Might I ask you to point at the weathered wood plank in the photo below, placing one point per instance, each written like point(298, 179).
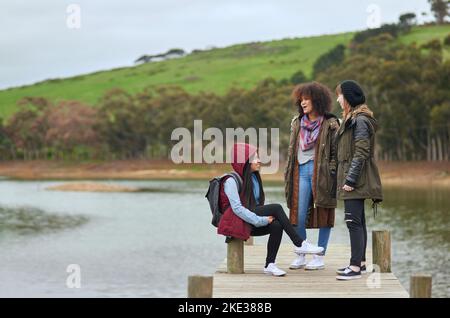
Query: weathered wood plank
point(300, 283)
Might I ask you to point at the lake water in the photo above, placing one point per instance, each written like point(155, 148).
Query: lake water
point(146, 244)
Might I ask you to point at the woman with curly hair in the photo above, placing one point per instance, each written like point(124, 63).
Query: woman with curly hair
point(310, 175)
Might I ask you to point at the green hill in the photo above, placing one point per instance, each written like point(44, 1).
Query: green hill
point(215, 70)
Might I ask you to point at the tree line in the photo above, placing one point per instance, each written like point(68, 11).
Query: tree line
point(407, 88)
point(406, 85)
point(126, 126)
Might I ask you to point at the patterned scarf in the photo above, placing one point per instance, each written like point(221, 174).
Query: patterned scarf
point(309, 132)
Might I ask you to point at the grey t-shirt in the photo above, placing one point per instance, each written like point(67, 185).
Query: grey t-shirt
point(305, 156)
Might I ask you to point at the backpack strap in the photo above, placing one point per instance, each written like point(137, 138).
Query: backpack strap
point(236, 178)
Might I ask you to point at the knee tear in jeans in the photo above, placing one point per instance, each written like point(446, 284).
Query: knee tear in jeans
point(348, 218)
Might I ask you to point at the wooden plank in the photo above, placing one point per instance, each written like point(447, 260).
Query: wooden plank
point(300, 283)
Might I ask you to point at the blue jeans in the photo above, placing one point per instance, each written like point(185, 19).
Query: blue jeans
point(305, 176)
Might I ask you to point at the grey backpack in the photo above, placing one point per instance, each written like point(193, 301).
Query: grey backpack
point(213, 195)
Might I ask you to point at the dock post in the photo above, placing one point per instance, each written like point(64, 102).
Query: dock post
point(381, 250)
point(235, 257)
point(200, 287)
point(250, 241)
point(420, 286)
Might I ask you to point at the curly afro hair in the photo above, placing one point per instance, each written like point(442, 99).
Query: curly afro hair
point(319, 95)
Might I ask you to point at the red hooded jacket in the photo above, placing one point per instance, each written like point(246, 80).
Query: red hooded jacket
point(230, 224)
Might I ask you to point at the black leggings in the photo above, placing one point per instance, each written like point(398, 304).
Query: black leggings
point(355, 217)
point(275, 229)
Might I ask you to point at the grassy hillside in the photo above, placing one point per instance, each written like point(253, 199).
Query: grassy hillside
point(216, 70)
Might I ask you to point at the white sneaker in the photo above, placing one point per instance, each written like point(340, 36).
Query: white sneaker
point(316, 263)
point(308, 248)
point(299, 262)
point(272, 269)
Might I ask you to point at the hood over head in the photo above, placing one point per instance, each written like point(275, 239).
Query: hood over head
point(241, 153)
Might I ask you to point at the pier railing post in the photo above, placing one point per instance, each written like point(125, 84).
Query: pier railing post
point(200, 286)
point(420, 286)
point(381, 250)
point(235, 257)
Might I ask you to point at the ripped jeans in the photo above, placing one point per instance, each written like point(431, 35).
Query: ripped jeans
point(355, 218)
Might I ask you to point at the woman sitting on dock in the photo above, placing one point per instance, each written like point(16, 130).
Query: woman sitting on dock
point(246, 214)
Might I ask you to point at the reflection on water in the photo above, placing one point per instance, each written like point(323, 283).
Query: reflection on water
point(28, 220)
point(419, 221)
point(146, 244)
point(142, 244)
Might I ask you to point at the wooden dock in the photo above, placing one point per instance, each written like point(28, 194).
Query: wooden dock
point(300, 283)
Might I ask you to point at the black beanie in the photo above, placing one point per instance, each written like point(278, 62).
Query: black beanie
point(353, 93)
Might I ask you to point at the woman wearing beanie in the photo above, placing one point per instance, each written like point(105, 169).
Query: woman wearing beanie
point(310, 175)
point(357, 174)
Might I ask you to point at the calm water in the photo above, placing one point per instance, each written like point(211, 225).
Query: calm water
point(146, 244)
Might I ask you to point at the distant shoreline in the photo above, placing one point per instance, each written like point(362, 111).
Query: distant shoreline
point(405, 174)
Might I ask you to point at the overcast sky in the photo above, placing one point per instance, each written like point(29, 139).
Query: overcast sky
point(36, 42)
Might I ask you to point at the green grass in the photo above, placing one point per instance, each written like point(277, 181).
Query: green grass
point(217, 70)
point(426, 33)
